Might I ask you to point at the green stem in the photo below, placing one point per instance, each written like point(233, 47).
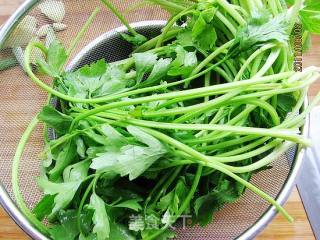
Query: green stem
point(185, 93)
point(213, 55)
point(218, 116)
point(230, 9)
point(273, 7)
point(294, 120)
point(168, 5)
point(286, 134)
point(266, 106)
point(220, 101)
point(184, 204)
point(290, 121)
point(255, 190)
point(219, 167)
point(256, 64)
point(175, 163)
point(244, 148)
point(294, 12)
point(83, 30)
point(152, 42)
point(258, 87)
point(227, 23)
point(247, 155)
point(207, 106)
point(167, 185)
point(171, 23)
point(157, 186)
point(251, 58)
point(68, 98)
point(83, 199)
point(275, 154)
point(270, 61)
point(229, 143)
point(122, 19)
point(15, 178)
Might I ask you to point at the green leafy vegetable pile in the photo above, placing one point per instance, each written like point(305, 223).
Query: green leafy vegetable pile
point(178, 128)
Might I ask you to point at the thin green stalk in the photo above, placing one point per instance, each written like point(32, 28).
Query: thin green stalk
point(226, 22)
point(266, 106)
point(212, 56)
point(275, 154)
point(270, 61)
point(175, 163)
point(291, 121)
point(172, 21)
point(68, 98)
point(192, 110)
point(152, 42)
point(286, 134)
point(241, 99)
point(257, 87)
point(122, 19)
point(168, 5)
point(232, 67)
point(247, 155)
point(279, 6)
point(189, 92)
point(83, 30)
point(83, 199)
point(273, 7)
point(296, 109)
point(293, 14)
point(251, 58)
point(217, 166)
point(184, 204)
point(207, 78)
point(226, 68)
point(270, 93)
point(256, 64)
point(156, 187)
point(255, 190)
point(15, 178)
point(244, 148)
point(233, 13)
point(164, 188)
point(220, 114)
point(214, 135)
point(241, 10)
point(223, 74)
point(207, 106)
point(294, 120)
point(229, 143)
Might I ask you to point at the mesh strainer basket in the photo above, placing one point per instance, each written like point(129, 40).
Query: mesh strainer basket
point(20, 100)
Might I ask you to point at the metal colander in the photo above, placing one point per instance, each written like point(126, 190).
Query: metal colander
point(20, 100)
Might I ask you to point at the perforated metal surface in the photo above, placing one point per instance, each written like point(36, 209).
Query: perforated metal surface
point(20, 100)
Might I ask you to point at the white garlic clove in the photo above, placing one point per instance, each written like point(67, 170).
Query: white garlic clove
point(50, 37)
point(23, 32)
point(43, 30)
point(53, 9)
point(59, 26)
